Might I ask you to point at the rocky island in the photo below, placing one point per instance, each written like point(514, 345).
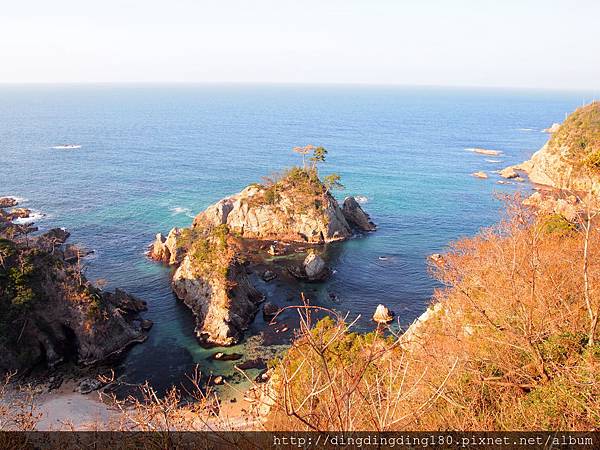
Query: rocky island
point(295, 208)
point(49, 312)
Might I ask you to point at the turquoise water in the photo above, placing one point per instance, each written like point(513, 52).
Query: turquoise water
point(153, 156)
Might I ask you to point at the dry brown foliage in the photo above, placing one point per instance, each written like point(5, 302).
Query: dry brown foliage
point(512, 346)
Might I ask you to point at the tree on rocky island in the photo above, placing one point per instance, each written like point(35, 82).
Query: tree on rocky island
point(333, 181)
point(319, 155)
point(304, 151)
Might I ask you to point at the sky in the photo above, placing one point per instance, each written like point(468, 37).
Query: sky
point(502, 43)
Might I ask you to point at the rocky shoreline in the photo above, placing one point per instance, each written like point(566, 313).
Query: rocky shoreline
point(56, 315)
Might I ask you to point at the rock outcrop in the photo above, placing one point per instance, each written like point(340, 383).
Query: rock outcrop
point(382, 315)
point(8, 202)
point(51, 313)
point(223, 303)
point(571, 158)
point(289, 218)
point(209, 277)
point(356, 216)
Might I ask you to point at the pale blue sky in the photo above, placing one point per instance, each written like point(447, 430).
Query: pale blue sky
point(528, 43)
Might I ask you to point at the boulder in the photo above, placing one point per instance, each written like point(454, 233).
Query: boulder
point(382, 315)
point(168, 250)
point(436, 258)
point(8, 202)
point(315, 268)
point(268, 275)
point(269, 311)
point(480, 175)
point(484, 151)
point(509, 173)
point(146, 324)
point(355, 215)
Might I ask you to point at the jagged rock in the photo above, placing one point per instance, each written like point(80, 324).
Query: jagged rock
point(167, 250)
point(480, 175)
point(508, 173)
point(269, 311)
point(73, 252)
point(436, 258)
point(8, 202)
point(268, 275)
point(222, 312)
point(356, 216)
point(126, 301)
point(383, 315)
point(52, 239)
point(20, 213)
point(250, 216)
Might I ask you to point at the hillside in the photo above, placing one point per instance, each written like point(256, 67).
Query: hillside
point(571, 158)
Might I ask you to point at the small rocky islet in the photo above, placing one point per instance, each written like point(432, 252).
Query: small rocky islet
point(233, 237)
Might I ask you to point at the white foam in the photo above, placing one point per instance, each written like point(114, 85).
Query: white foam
point(176, 210)
point(362, 199)
point(33, 217)
point(66, 147)
point(526, 129)
point(493, 160)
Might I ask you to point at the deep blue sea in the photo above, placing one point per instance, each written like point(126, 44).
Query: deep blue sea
point(153, 156)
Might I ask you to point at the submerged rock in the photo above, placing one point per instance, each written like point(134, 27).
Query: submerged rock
point(480, 175)
point(268, 275)
point(269, 311)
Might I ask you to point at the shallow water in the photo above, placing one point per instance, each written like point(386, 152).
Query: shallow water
point(153, 156)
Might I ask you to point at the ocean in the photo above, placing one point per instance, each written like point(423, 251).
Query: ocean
point(153, 156)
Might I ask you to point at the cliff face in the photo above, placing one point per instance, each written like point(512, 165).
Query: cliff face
point(290, 217)
point(223, 306)
point(571, 158)
point(210, 277)
point(50, 313)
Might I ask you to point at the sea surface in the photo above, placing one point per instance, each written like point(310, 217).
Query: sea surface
point(151, 157)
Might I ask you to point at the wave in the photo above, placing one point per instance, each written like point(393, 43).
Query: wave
point(526, 129)
point(362, 199)
point(493, 160)
point(176, 210)
point(66, 147)
point(33, 217)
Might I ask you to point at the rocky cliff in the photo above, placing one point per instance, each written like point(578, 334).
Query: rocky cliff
point(295, 208)
point(210, 276)
point(571, 158)
point(49, 312)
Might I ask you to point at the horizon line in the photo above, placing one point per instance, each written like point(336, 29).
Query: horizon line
point(295, 83)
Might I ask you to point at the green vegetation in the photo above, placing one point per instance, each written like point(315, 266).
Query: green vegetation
point(211, 251)
point(580, 135)
point(558, 224)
